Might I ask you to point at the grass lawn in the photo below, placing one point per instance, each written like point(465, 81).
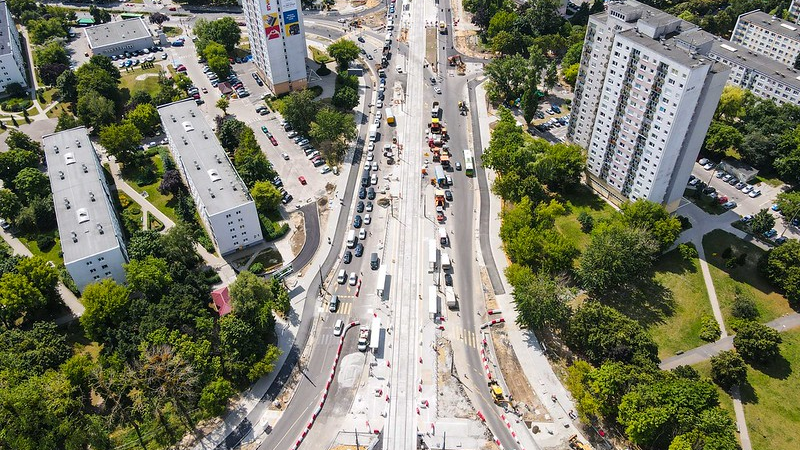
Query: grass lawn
point(682, 282)
point(269, 258)
point(771, 397)
point(172, 31)
point(319, 56)
point(164, 203)
point(150, 84)
point(582, 200)
point(770, 303)
point(772, 181)
point(51, 255)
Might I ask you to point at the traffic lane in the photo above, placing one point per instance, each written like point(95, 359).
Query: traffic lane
point(312, 230)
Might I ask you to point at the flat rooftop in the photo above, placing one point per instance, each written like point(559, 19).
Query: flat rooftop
point(6, 22)
point(117, 32)
point(772, 23)
point(83, 211)
point(762, 64)
point(202, 157)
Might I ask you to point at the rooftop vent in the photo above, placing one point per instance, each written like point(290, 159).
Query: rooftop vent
point(211, 193)
point(61, 174)
point(214, 175)
point(205, 136)
point(217, 158)
point(196, 165)
point(172, 117)
point(83, 215)
point(69, 158)
point(66, 203)
point(55, 149)
point(100, 228)
point(78, 143)
point(187, 126)
point(74, 236)
point(85, 169)
point(91, 196)
point(191, 111)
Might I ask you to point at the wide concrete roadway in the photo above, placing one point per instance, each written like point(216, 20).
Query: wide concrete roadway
point(461, 225)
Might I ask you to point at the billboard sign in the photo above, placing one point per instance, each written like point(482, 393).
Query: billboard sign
point(272, 28)
point(291, 21)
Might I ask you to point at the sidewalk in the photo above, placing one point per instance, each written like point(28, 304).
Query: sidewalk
point(527, 347)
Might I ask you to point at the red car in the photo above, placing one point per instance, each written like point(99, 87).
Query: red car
point(172, 8)
point(273, 140)
point(722, 199)
point(181, 68)
point(195, 96)
point(302, 180)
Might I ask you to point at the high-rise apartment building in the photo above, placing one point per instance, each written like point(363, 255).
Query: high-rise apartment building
point(91, 237)
point(642, 103)
point(278, 42)
point(223, 201)
point(794, 10)
point(12, 62)
point(768, 35)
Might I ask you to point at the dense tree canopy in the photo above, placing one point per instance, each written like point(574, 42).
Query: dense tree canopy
point(224, 31)
point(344, 51)
point(300, 109)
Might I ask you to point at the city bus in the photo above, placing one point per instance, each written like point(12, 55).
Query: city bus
point(389, 116)
point(124, 16)
point(469, 163)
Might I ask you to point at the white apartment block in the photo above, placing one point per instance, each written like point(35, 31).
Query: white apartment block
point(642, 104)
point(278, 42)
point(794, 10)
point(91, 237)
point(768, 35)
point(12, 62)
point(223, 201)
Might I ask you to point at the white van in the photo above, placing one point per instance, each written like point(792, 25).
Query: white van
point(342, 277)
point(351, 238)
point(445, 261)
point(442, 236)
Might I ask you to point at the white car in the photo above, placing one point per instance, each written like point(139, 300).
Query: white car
point(374, 166)
point(353, 278)
point(399, 69)
point(367, 219)
point(437, 90)
point(754, 193)
point(285, 156)
point(378, 115)
point(370, 156)
point(369, 206)
point(703, 161)
point(371, 146)
point(373, 180)
point(362, 234)
point(747, 189)
point(379, 104)
point(324, 169)
point(338, 327)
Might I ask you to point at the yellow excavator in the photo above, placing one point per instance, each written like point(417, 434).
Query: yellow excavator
point(575, 444)
point(497, 392)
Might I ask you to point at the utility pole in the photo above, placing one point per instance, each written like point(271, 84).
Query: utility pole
point(358, 447)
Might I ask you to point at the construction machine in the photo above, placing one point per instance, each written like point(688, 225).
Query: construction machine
point(497, 392)
point(575, 444)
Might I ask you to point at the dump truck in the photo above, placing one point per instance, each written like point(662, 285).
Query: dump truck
point(442, 27)
point(363, 339)
point(575, 444)
point(438, 196)
point(450, 297)
point(497, 392)
point(456, 61)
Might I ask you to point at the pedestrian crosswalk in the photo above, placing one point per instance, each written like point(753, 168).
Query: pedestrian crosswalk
point(467, 337)
point(345, 308)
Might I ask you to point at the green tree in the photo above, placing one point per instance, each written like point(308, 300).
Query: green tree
point(573, 55)
point(177, 246)
point(95, 111)
point(42, 275)
point(9, 204)
point(762, 221)
point(67, 121)
point(508, 77)
point(506, 152)
point(501, 21)
point(67, 85)
point(757, 342)
point(223, 104)
point(13, 161)
point(616, 257)
point(789, 203)
point(31, 183)
point(224, 31)
point(560, 166)
point(217, 59)
point(165, 374)
point(144, 243)
point(99, 15)
point(149, 276)
point(281, 301)
point(145, 118)
point(345, 98)
point(250, 161)
point(29, 352)
point(540, 302)
point(266, 196)
point(728, 369)
point(654, 218)
point(602, 333)
point(783, 270)
point(121, 140)
point(731, 104)
point(252, 300)
point(214, 397)
point(18, 297)
point(551, 76)
point(266, 364)
point(18, 140)
point(43, 29)
point(333, 130)
point(106, 305)
point(51, 53)
point(344, 51)
point(722, 137)
point(300, 109)
point(570, 74)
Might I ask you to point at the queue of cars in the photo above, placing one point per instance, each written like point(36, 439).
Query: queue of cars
point(732, 180)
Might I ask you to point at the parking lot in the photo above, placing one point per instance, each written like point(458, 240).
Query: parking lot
point(745, 204)
point(550, 122)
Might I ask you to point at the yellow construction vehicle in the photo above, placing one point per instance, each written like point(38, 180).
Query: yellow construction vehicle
point(575, 444)
point(497, 392)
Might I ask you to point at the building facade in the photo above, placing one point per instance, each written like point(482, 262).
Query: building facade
point(91, 237)
point(116, 38)
point(278, 42)
point(12, 62)
point(794, 10)
point(223, 201)
point(768, 35)
point(642, 104)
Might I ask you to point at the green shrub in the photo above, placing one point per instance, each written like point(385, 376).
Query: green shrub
point(727, 253)
point(16, 104)
point(586, 221)
point(709, 330)
point(45, 242)
point(205, 241)
point(257, 268)
point(744, 306)
point(124, 200)
point(685, 224)
point(687, 251)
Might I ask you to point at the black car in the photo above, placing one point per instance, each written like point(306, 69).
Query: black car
point(277, 181)
point(371, 193)
point(357, 221)
point(362, 193)
point(360, 207)
point(287, 198)
point(380, 96)
point(361, 39)
point(448, 279)
point(348, 256)
point(448, 194)
point(359, 249)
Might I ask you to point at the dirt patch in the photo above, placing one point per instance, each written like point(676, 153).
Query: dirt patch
point(488, 293)
point(431, 44)
point(453, 401)
point(526, 401)
point(468, 43)
point(297, 223)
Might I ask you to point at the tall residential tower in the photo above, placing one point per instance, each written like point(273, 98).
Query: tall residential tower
point(643, 103)
point(278, 42)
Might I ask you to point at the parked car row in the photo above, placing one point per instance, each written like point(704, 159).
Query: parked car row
point(748, 189)
point(278, 183)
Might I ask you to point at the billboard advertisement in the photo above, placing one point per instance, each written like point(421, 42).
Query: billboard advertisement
point(272, 28)
point(291, 21)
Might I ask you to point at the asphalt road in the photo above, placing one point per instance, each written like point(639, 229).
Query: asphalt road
point(311, 219)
